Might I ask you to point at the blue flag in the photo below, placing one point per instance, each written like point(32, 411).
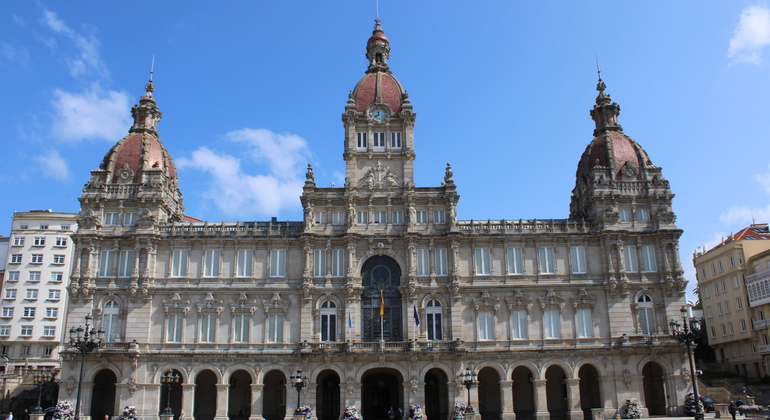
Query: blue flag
point(350, 320)
point(416, 317)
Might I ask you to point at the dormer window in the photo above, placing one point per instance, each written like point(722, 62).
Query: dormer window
point(362, 140)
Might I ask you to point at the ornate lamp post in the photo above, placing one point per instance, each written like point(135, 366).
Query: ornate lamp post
point(469, 378)
point(170, 378)
point(688, 335)
point(298, 382)
point(85, 340)
point(41, 379)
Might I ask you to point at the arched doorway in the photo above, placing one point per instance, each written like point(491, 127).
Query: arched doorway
point(381, 390)
point(654, 389)
point(175, 402)
point(523, 394)
point(103, 395)
point(556, 393)
point(490, 406)
point(381, 276)
point(590, 392)
point(436, 395)
point(274, 396)
point(239, 406)
point(205, 396)
point(328, 395)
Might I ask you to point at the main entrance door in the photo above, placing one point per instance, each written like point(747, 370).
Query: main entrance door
point(381, 391)
point(381, 276)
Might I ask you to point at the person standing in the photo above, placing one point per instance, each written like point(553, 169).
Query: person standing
point(731, 409)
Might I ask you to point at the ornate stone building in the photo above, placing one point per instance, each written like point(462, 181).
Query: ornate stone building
point(556, 317)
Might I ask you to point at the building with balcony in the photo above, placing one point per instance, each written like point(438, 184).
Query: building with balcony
point(730, 320)
point(758, 293)
point(382, 295)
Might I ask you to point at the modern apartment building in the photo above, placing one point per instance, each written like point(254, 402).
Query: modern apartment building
point(758, 291)
point(722, 279)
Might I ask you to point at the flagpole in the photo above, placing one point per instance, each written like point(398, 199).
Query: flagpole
point(382, 318)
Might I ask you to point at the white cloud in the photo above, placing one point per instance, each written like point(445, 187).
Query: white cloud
point(52, 165)
point(751, 35)
point(764, 180)
point(14, 56)
point(746, 215)
point(19, 21)
point(87, 62)
point(243, 196)
point(92, 114)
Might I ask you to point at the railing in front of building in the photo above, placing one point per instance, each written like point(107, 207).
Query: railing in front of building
point(524, 226)
point(760, 323)
point(233, 229)
point(122, 191)
point(764, 349)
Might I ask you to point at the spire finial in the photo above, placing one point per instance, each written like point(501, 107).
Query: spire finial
point(600, 86)
point(149, 87)
point(377, 11)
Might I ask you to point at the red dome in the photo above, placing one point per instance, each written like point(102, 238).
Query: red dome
point(375, 85)
point(378, 36)
point(137, 152)
point(615, 149)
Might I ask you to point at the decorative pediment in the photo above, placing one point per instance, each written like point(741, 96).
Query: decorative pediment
point(550, 299)
point(629, 171)
point(243, 305)
point(583, 299)
point(210, 305)
point(176, 304)
point(125, 174)
point(379, 176)
point(276, 304)
point(486, 302)
point(518, 301)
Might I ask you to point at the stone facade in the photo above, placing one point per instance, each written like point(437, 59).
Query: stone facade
point(381, 296)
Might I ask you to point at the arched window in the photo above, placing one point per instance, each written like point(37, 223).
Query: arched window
point(111, 320)
point(433, 313)
point(328, 321)
point(646, 315)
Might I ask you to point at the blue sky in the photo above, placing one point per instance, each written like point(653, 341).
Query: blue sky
point(253, 91)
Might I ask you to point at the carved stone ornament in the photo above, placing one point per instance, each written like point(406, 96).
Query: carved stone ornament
point(125, 174)
point(550, 299)
point(583, 299)
point(519, 301)
point(665, 215)
point(88, 219)
point(210, 305)
point(627, 378)
point(686, 375)
point(448, 174)
point(629, 171)
point(275, 304)
point(610, 215)
point(379, 176)
point(486, 302)
point(176, 303)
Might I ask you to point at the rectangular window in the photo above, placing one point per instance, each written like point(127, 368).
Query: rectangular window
point(319, 217)
point(739, 303)
point(713, 332)
point(39, 241)
point(208, 328)
point(54, 294)
point(713, 269)
point(435, 332)
point(110, 219)
point(275, 328)
point(37, 258)
point(43, 227)
point(58, 259)
point(421, 217)
point(720, 266)
point(551, 325)
point(51, 312)
point(34, 276)
point(26, 330)
point(727, 307)
point(5, 331)
point(483, 261)
point(13, 276)
point(129, 219)
point(25, 349)
point(724, 329)
point(709, 312)
point(362, 218)
point(719, 309)
point(338, 263)
point(515, 261)
point(328, 327)
point(732, 261)
point(378, 140)
point(395, 140)
point(743, 325)
point(423, 262)
point(174, 330)
point(179, 264)
point(439, 217)
point(632, 265)
point(49, 331)
point(519, 325)
point(398, 217)
point(106, 259)
point(338, 218)
point(18, 241)
point(380, 217)
point(32, 294)
point(441, 262)
point(706, 291)
point(15, 258)
point(362, 140)
point(642, 215)
point(29, 312)
point(585, 326)
point(61, 241)
point(245, 257)
point(241, 328)
point(735, 282)
point(125, 263)
point(47, 350)
point(730, 328)
point(65, 227)
point(319, 263)
point(486, 326)
point(277, 263)
point(547, 263)
point(625, 215)
point(211, 264)
point(10, 293)
point(578, 257)
point(648, 259)
point(7, 312)
point(23, 226)
point(716, 288)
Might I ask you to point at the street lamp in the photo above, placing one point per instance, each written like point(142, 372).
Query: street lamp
point(298, 382)
point(687, 335)
point(469, 378)
point(41, 379)
point(85, 340)
point(170, 378)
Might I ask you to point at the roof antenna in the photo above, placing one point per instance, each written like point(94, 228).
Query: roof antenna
point(152, 67)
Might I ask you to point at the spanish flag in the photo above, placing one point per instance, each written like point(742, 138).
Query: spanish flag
point(382, 304)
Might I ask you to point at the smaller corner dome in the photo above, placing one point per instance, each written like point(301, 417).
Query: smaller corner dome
point(378, 85)
point(613, 150)
point(135, 154)
point(377, 35)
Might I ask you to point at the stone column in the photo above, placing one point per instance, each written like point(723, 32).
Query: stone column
point(541, 400)
point(506, 396)
point(256, 402)
point(188, 399)
point(223, 391)
point(573, 398)
point(609, 396)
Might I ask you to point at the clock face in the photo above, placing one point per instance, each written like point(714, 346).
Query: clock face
point(378, 114)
